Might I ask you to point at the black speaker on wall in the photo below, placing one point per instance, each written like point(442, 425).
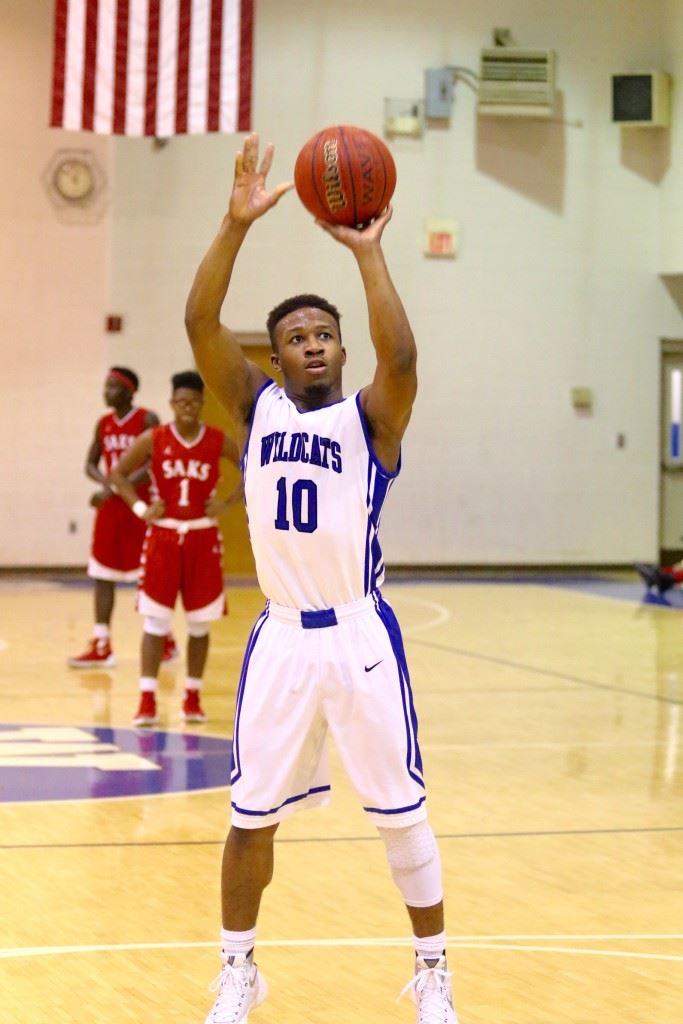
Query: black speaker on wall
point(641, 99)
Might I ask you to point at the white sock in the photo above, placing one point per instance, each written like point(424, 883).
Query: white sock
point(430, 947)
point(237, 944)
point(101, 631)
point(192, 683)
point(148, 684)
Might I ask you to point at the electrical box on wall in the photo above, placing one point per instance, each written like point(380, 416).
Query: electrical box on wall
point(582, 398)
point(642, 99)
point(404, 117)
point(438, 92)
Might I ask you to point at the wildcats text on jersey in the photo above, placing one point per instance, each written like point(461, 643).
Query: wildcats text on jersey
point(314, 492)
point(281, 446)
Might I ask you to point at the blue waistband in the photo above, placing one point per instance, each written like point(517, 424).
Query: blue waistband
point(320, 619)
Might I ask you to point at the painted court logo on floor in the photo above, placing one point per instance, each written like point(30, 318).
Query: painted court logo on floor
point(43, 762)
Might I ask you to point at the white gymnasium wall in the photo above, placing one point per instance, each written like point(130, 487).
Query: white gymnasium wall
point(53, 288)
point(671, 258)
point(557, 282)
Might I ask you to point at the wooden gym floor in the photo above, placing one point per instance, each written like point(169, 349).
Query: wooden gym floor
point(550, 726)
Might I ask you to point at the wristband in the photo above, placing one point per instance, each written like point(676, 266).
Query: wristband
point(139, 508)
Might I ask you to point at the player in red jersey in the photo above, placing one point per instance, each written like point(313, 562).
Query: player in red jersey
point(182, 553)
point(117, 534)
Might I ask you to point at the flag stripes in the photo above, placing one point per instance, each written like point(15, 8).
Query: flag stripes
point(148, 85)
point(215, 37)
point(58, 64)
point(120, 70)
point(152, 67)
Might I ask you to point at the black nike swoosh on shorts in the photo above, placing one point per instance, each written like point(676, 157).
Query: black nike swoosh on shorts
point(370, 667)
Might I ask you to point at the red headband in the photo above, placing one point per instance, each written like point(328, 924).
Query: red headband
point(123, 379)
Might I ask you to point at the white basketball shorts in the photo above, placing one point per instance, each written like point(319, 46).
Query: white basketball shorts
point(342, 669)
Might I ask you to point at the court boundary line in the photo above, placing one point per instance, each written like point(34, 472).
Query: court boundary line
point(550, 673)
point(484, 942)
point(540, 834)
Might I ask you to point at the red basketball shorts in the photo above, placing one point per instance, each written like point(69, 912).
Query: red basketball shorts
point(117, 540)
point(186, 563)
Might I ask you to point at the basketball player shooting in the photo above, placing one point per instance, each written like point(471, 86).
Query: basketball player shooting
point(317, 468)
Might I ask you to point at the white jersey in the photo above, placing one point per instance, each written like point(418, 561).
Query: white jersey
point(314, 493)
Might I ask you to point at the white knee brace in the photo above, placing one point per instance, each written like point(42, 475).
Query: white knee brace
point(156, 626)
point(415, 863)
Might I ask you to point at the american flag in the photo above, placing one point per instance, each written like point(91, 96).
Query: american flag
point(152, 67)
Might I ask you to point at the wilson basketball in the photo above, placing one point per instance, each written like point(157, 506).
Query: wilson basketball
point(345, 175)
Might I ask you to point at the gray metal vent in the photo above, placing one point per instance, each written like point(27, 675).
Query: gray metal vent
point(516, 83)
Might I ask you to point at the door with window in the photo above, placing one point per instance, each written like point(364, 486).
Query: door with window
point(671, 452)
point(237, 557)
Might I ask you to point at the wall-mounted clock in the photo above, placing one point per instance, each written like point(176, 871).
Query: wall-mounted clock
point(74, 178)
point(76, 185)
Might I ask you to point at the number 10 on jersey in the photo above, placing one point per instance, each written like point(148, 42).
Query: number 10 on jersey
point(301, 505)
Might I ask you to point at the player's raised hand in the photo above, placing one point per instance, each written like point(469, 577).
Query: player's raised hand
point(250, 198)
point(359, 238)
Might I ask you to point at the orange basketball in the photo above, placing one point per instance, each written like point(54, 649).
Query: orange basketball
point(345, 175)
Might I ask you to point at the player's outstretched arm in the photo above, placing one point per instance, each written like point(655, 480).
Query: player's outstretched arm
point(388, 401)
point(232, 378)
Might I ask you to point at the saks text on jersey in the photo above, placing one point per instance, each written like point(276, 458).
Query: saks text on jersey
point(300, 447)
point(117, 442)
point(193, 469)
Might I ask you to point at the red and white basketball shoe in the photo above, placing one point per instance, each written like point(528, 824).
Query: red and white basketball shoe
point(192, 710)
point(147, 709)
point(98, 654)
point(171, 651)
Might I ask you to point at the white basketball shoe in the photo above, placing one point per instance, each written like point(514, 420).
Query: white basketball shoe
point(240, 989)
point(430, 988)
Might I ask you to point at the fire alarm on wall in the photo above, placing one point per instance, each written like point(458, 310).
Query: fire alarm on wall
point(441, 238)
point(114, 323)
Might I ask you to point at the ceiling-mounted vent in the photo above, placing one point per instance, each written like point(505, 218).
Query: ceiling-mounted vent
point(516, 83)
